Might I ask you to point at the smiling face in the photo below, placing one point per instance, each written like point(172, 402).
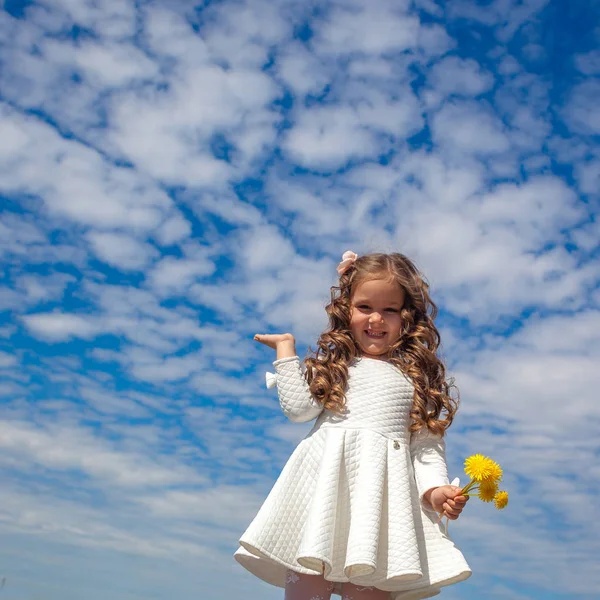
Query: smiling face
point(375, 316)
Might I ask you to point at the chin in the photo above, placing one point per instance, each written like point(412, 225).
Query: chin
point(375, 352)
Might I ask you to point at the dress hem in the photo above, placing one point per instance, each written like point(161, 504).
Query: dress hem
point(256, 553)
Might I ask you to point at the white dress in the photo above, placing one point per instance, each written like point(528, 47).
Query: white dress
point(348, 503)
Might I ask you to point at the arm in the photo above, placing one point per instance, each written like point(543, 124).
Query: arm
point(295, 398)
point(428, 454)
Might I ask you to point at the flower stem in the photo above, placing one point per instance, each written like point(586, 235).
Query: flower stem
point(469, 486)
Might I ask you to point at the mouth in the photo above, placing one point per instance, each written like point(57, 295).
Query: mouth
point(376, 335)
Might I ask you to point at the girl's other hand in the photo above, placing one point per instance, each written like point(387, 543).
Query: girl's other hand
point(284, 343)
point(447, 499)
point(272, 339)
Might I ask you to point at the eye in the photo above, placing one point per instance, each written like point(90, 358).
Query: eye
point(365, 306)
point(394, 310)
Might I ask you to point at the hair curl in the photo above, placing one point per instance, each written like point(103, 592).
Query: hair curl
point(414, 353)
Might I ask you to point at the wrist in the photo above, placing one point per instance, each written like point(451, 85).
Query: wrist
point(427, 497)
point(286, 348)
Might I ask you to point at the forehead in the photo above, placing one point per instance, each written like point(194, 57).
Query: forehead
point(379, 289)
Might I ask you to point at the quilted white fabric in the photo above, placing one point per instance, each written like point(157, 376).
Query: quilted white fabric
point(348, 503)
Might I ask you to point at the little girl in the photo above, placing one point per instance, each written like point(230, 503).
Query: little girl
point(355, 509)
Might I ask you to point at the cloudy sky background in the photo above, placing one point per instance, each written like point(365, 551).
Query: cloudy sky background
point(176, 177)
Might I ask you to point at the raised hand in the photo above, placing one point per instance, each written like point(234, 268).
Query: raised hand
point(447, 499)
point(284, 343)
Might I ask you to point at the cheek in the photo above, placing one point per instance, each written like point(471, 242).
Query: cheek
point(397, 325)
point(356, 321)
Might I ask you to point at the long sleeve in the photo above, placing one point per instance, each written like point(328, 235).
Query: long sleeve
point(295, 398)
point(428, 453)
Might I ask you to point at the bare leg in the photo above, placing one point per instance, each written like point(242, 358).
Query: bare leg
point(307, 587)
point(361, 592)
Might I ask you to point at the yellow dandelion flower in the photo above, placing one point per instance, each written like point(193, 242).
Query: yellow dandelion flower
point(478, 467)
point(488, 490)
point(501, 500)
point(495, 471)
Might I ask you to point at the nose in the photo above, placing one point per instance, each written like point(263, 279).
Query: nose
point(375, 317)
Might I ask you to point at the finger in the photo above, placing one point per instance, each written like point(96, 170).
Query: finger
point(451, 509)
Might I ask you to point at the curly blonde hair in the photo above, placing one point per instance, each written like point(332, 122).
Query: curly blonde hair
point(414, 353)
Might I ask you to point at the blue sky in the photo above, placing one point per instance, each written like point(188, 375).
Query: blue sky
point(176, 177)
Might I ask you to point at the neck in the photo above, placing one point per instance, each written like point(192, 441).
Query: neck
point(374, 357)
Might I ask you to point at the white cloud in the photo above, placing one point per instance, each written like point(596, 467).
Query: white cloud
point(146, 132)
point(301, 70)
point(314, 211)
point(177, 274)
point(17, 235)
point(59, 448)
point(31, 290)
point(121, 250)
point(113, 19)
point(548, 196)
point(169, 34)
point(244, 37)
point(175, 229)
point(588, 176)
point(509, 65)
point(375, 28)
point(507, 15)
point(534, 52)
point(172, 368)
point(213, 385)
point(75, 181)
point(582, 112)
point(168, 132)
point(329, 136)
point(107, 403)
point(589, 63)
point(469, 128)
point(44, 288)
point(266, 248)
point(60, 326)
point(7, 360)
point(228, 208)
point(587, 236)
point(434, 40)
point(296, 299)
point(113, 65)
point(229, 507)
point(219, 297)
point(456, 76)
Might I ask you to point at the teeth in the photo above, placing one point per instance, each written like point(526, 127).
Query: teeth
point(375, 334)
